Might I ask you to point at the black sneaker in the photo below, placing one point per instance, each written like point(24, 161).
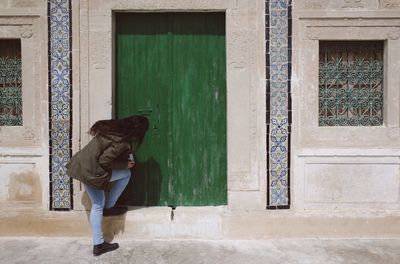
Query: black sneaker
point(104, 248)
point(116, 210)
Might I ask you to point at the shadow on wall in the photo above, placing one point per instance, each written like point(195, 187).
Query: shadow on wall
point(142, 189)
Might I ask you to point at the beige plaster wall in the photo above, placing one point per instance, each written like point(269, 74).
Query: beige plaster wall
point(341, 171)
point(24, 149)
point(245, 82)
point(344, 168)
point(333, 169)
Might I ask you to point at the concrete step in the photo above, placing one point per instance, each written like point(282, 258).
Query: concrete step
point(199, 223)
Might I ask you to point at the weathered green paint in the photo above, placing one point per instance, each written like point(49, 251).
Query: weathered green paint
point(172, 68)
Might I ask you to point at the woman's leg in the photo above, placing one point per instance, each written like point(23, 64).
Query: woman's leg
point(96, 213)
point(120, 179)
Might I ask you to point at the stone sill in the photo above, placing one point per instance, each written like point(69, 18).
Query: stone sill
point(200, 223)
point(347, 152)
point(23, 12)
point(340, 14)
point(25, 152)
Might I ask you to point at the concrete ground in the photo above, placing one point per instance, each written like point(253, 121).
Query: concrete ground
point(304, 251)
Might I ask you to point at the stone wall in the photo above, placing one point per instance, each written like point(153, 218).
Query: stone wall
point(24, 149)
point(344, 167)
point(332, 168)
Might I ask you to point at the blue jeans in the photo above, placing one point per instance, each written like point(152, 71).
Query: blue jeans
point(97, 197)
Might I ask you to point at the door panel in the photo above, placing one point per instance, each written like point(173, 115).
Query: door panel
point(171, 68)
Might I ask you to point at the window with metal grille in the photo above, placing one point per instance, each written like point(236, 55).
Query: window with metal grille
point(10, 82)
point(350, 83)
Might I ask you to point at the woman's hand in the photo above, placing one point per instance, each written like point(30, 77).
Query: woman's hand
point(131, 164)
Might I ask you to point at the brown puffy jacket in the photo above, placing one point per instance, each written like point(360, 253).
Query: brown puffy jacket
point(93, 164)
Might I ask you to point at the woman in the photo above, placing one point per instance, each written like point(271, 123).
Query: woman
point(104, 164)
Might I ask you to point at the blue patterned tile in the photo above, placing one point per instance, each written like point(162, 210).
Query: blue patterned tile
point(59, 62)
point(60, 98)
point(277, 4)
point(277, 86)
point(58, 162)
point(279, 102)
point(61, 199)
point(279, 196)
point(278, 18)
point(278, 36)
point(60, 110)
point(279, 72)
point(279, 177)
point(279, 107)
point(278, 54)
point(59, 6)
point(279, 127)
point(280, 160)
point(278, 143)
point(61, 181)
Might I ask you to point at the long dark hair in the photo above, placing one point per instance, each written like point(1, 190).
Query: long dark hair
point(132, 128)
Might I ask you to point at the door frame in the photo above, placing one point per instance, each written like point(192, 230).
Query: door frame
point(245, 40)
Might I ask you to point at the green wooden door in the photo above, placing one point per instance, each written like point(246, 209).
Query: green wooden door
point(171, 67)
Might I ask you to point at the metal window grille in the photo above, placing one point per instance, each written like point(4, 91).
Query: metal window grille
point(351, 83)
point(10, 82)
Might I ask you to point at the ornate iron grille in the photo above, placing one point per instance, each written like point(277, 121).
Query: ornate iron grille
point(351, 83)
point(10, 83)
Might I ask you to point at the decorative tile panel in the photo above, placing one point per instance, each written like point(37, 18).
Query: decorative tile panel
point(60, 106)
point(278, 46)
